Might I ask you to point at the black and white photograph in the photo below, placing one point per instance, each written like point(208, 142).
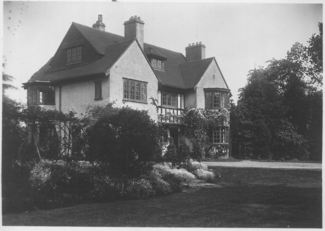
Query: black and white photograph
point(126, 114)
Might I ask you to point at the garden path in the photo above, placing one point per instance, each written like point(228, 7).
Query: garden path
point(260, 164)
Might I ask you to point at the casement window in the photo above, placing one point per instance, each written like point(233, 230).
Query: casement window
point(216, 99)
point(157, 64)
point(41, 95)
point(74, 55)
point(219, 136)
point(134, 90)
point(169, 99)
point(98, 90)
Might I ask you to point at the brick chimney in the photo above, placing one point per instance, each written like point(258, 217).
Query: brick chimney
point(99, 25)
point(195, 51)
point(133, 28)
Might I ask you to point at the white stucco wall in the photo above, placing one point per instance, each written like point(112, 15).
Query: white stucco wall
point(133, 65)
point(212, 78)
point(78, 96)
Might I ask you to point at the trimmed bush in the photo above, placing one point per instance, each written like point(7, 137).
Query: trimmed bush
point(194, 165)
point(127, 139)
point(181, 174)
point(204, 175)
point(160, 186)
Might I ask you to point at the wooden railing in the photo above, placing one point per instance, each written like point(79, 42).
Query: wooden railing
point(169, 115)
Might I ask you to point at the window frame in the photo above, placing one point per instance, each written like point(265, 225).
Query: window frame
point(166, 97)
point(41, 95)
point(219, 135)
point(98, 90)
point(216, 99)
point(135, 90)
point(157, 64)
point(74, 55)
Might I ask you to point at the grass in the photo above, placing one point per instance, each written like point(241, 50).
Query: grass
point(245, 198)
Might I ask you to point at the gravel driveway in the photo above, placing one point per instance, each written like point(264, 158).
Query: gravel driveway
point(258, 164)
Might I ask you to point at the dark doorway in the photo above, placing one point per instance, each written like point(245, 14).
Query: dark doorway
point(174, 135)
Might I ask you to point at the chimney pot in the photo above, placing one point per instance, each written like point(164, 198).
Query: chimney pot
point(196, 51)
point(134, 29)
point(99, 25)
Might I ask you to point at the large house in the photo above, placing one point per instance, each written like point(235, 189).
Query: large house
point(95, 67)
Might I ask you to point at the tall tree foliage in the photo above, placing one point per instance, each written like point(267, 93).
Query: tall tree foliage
point(279, 111)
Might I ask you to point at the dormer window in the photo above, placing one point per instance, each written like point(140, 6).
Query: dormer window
point(157, 64)
point(74, 55)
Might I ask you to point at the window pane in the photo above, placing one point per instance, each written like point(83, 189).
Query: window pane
point(35, 95)
point(98, 90)
point(69, 55)
point(137, 91)
point(227, 135)
point(208, 100)
point(132, 92)
point(164, 99)
point(174, 100)
point(73, 57)
point(40, 97)
point(216, 99)
point(159, 64)
point(126, 89)
point(154, 63)
point(78, 53)
point(227, 100)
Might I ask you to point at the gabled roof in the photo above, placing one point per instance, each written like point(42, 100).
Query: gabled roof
point(97, 38)
point(177, 73)
point(193, 71)
point(111, 55)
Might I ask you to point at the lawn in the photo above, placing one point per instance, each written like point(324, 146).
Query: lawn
point(244, 198)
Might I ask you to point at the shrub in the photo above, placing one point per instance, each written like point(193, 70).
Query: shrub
point(105, 189)
point(159, 185)
point(54, 179)
point(173, 181)
point(181, 174)
point(184, 151)
point(194, 165)
point(204, 175)
point(138, 189)
point(127, 139)
point(171, 154)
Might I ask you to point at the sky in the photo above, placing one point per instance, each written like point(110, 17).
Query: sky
point(241, 36)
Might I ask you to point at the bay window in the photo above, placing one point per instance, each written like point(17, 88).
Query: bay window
point(215, 99)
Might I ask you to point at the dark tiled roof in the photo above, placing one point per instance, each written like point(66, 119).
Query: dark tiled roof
point(112, 53)
point(178, 72)
point(171, 76)
point(99, 39)
point(193, 71)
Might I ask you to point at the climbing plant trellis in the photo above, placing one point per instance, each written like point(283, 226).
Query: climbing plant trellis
point(53, 134)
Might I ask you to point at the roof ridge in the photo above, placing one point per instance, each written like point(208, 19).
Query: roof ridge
point(198, 60)
point(100, 31)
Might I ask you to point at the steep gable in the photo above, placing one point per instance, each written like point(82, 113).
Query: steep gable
point(177, 73)
point(100, 66)
point(213, 77)
point(193, 71)
point(74, 38)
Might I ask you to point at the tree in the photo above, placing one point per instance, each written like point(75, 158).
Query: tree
point(127, 139)
point(279, 112)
